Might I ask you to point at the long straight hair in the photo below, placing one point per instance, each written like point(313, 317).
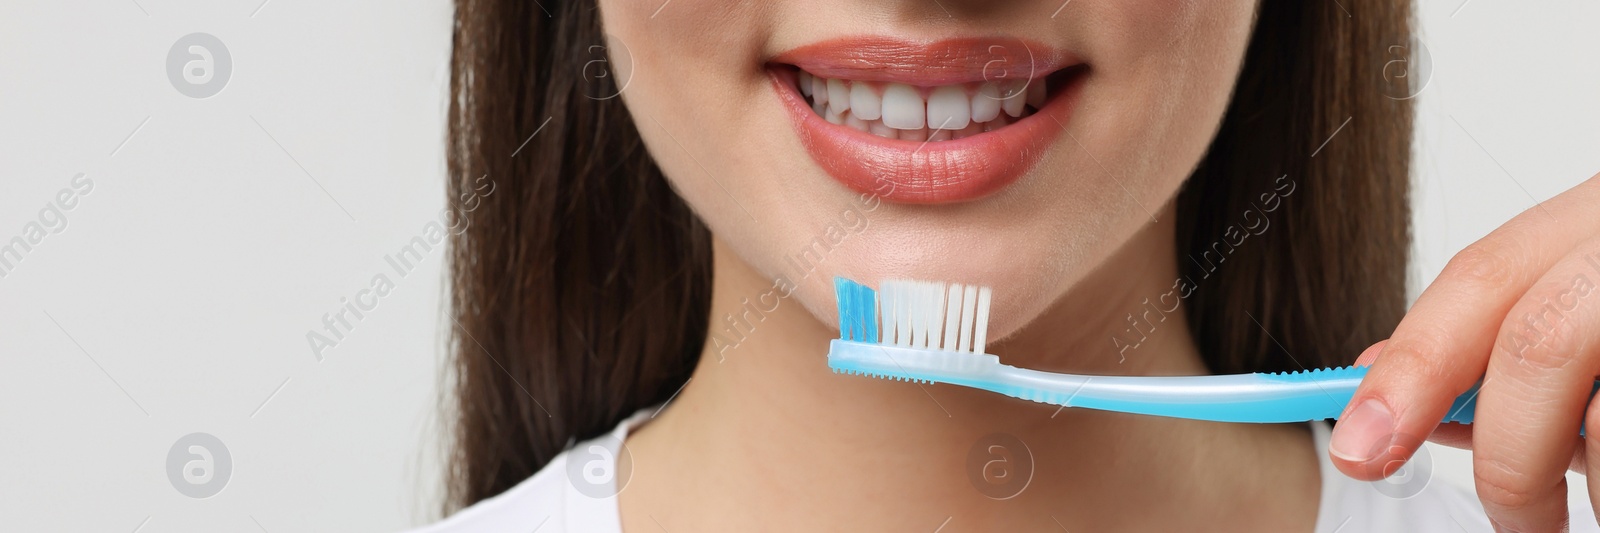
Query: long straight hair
point(581, 286)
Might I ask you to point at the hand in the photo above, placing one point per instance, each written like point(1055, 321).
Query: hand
point(1519, 309)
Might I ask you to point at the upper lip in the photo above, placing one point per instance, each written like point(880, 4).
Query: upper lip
point(943, 62)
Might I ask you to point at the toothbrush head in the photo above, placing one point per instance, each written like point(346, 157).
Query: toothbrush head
point(918, 331)
point(917, 314)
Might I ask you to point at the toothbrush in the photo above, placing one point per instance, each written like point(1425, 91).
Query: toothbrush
point(935, 333)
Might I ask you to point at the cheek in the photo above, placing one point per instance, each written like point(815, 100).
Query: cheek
point(692, 90)
point(704, 105)
point(1168, 71)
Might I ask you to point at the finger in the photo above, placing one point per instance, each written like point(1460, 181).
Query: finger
point(1453, 435)
point(1441, 347)
point(1459, 436)
point(1555, 511)
point(1591, 456)
point(1536, 394)
point(1370, 355)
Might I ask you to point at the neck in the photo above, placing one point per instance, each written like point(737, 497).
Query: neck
point(764, 436)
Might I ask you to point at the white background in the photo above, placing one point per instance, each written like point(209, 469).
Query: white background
point(219, 231)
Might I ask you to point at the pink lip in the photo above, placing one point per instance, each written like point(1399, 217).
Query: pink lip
point(932, 172)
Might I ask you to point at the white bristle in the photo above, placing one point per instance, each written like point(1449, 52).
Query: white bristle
point(886, 313)
point(919, 317)
point(887, 296)
point(919, 324)
point(936, 315)
point(903, 310)
point(932, 306)
point(981, 330)
point(932, 315)
point(952, 317)
point(969, 304)
point(877, 308)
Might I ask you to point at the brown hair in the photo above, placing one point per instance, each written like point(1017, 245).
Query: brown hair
point(581, 285)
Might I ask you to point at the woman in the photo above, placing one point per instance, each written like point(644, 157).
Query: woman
point(1150, 188)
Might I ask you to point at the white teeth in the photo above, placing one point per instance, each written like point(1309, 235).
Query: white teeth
point(838, 96)
point(903, 108)
point(949, 108)
point(1014, 99)
point(899, 111)
point(857, 123)
point(986, 103)
point(997, 123)
point(866, 103)
point(1036, 94)
point(877, 127)
point(972, 129)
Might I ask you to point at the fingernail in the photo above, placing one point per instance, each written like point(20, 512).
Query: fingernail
point(1359, 436)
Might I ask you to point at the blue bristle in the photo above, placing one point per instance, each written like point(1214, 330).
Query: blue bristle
point(849, 326)
point(857, 308)
point(842, 291)
point(867, 308)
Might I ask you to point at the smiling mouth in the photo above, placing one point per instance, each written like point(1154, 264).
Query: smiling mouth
point(927, 123)
point(912, 113)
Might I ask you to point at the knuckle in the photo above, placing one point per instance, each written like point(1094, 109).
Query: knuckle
point(1483, 264)
point(1419, 351)
point(1557, 351)
point(1540, 334)
point(1500, 486)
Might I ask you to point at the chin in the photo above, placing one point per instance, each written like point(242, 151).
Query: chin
point(1028, 261)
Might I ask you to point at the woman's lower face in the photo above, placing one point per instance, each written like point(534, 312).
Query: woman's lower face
point(1010, 144)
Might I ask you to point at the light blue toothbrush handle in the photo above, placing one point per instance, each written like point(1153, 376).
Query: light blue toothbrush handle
point(1467, 403)
point(1461, 411)
point(1261, 398)
point(1320, 394)
point(1283, 397)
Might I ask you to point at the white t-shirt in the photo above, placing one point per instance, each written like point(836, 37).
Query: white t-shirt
point(548, 502)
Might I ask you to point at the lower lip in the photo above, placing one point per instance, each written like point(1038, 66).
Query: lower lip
point(934, 172)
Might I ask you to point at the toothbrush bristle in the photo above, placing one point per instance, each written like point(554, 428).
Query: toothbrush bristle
point(857, 307)
point(917, 314)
